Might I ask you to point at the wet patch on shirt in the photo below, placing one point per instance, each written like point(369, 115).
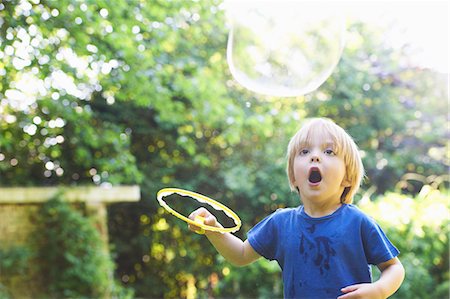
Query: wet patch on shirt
point(312, 228)
point(324, 252)
point(320, 249)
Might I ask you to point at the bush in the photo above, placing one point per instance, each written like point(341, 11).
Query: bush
point(73, 256)
point(4, 294)
point(13, 261)
point(419, 228)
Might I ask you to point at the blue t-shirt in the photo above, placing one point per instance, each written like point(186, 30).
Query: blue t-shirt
point(319, 256)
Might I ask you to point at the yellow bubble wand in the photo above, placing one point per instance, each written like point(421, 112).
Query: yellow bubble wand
point(199, 221)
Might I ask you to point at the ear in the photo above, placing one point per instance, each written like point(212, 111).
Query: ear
point(346, 182)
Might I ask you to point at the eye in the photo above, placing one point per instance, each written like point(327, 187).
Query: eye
point(303, 152)
point(330, 152)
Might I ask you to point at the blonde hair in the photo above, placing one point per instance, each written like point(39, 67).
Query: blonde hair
point(345, 146)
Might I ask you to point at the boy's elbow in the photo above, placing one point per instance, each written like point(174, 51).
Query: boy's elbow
point(399, 276)
point(239, 263)
point(402, 272)
point(242, 260)
point(400, 269)
point(244, 255)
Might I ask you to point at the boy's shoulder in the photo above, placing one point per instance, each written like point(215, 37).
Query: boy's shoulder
point(284, 213)
point(354, 209)
point(287, 211)
point(356, 212)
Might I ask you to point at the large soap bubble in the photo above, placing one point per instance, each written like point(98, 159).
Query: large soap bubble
point(283, 48)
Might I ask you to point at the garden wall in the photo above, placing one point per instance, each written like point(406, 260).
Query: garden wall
point(17, 207)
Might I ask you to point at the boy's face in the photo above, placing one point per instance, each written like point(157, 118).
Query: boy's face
point(319, 171)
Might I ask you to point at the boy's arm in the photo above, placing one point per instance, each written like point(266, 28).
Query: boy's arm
point(228, 245)
point(392, 275)
point(232, 248)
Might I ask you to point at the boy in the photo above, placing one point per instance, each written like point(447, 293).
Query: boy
point(325, 246)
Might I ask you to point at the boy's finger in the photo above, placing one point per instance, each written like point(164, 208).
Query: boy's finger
point(349, 289)
point(199, 219)
point(200, 212)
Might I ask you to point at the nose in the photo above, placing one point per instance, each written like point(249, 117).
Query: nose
point(315, 158)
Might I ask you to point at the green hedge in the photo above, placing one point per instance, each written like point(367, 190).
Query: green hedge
point(76, 263)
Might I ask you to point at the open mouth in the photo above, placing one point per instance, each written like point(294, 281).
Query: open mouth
point(314, 175)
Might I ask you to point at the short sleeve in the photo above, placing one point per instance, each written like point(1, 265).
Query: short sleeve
point(377, 247)
point(263, 237)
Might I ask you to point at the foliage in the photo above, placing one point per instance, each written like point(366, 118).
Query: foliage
point(14, 260)
point(419, 227)
point(140, 93)
point(73, 255)
point(4, 294)
point(49, 132)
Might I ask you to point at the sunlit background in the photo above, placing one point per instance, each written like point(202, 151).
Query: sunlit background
point(141, 93)
point(289, 48)
point(422, 26)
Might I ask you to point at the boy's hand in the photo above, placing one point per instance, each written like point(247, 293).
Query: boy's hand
point(362, 290)
point(392, 274)
point(209, 219)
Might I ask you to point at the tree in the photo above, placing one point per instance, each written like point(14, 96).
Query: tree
point(140, 92)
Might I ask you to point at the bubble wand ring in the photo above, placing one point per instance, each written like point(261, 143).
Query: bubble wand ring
point(201, 198)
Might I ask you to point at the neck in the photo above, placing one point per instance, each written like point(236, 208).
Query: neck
point(317, 210)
